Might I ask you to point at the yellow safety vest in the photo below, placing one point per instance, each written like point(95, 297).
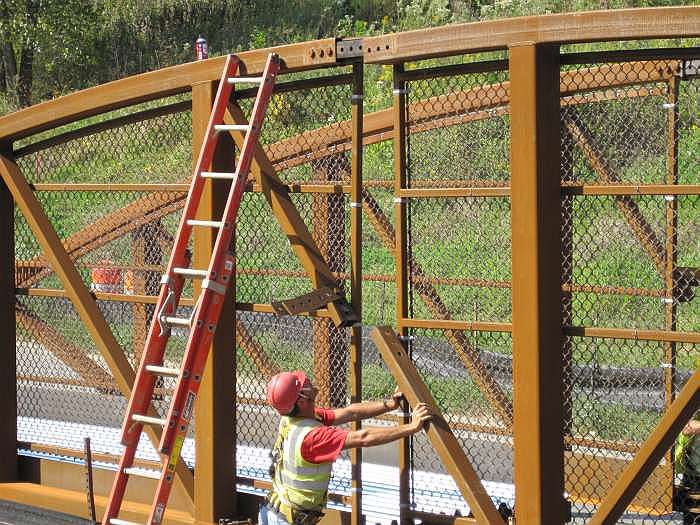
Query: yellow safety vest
point(687, 455)
point(298, 485)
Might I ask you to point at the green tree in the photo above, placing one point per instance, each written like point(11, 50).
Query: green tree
point(45, 43)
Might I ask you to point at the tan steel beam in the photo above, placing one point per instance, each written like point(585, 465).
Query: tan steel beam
point(441, 437)
point(634, 334)
point(357, 119)
point(537, 275)
point(671, 257)
point(158, 84)
point(631, 189)
point(640, 227)
point(215, 428)
point(565, 28)
point(83, 302)
point(73, 501)
point(290, 221)
point(650, 453)
point(399, 250)
point(8, 340)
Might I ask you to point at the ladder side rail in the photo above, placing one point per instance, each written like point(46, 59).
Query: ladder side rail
point(156, 340)
point(198, 346)
point(144, 383)
point(220, 253)
point(118, 490)
point(168, 300)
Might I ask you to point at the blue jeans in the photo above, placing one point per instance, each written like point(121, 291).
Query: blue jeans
point(269, 516)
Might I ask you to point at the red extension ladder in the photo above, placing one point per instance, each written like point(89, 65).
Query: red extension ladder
point(205, 316)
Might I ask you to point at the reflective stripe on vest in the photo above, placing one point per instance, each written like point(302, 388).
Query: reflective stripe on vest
point(299, 484)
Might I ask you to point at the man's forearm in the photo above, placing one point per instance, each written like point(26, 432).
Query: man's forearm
point(368, 409)
point(369, 437)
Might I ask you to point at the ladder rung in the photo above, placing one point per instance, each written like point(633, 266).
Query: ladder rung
point(153, 474)
point(209, 224)
point(149, 420)
point(218, 175)
point(245, 80)
point(117, 521)
point(178, 321)
point(191, 272)
point(163, 370)
point(231, 127)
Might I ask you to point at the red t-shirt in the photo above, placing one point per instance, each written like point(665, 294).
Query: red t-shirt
point(323, 444)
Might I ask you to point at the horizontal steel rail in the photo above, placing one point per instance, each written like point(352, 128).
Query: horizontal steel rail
point(156, 84)
point(566, 28)
point(632, 333)
point(133, 118)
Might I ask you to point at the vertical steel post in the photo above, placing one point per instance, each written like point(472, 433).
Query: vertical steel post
point(671, 294)
point(356, 281)
point(8, 365)
point(145, 251)
point(401, 257)
point(215, 427)
point(328, 221)
point(536, 240)
point(671, 234)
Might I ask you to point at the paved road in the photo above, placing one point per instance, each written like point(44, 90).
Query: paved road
point(16, 514)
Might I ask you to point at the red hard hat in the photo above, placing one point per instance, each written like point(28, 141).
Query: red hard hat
point(283, 390)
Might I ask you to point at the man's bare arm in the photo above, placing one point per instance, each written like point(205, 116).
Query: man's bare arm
point(368, 437)
point(367, 409)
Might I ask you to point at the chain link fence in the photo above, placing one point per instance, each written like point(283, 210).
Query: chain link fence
point(627, 263)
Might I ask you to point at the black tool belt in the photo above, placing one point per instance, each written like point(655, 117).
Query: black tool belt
point(306, 517)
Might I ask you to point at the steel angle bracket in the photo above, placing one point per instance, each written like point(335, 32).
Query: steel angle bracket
point(306, 303)
point(309, 302)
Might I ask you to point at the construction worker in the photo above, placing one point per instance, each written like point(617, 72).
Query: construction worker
point(687, 459)
point(309, 441)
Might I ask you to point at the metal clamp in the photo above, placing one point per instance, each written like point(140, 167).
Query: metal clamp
point(169, 301)
point(356, 97)
point(356, 205)
point(670, 198)
point(668, 105)
point(399, 200)
point(208, 284)
point(400, 91)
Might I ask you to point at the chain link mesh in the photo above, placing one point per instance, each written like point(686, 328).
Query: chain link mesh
point(629, 261)
point(458, 131)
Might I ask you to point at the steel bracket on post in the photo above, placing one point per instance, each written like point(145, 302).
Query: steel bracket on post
point(309, 302)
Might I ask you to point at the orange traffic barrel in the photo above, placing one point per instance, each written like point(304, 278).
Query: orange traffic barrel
point(106, 278)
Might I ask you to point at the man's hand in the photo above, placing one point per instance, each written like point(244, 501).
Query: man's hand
point(692, 428)
point(421, 415)
point(395, 401)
